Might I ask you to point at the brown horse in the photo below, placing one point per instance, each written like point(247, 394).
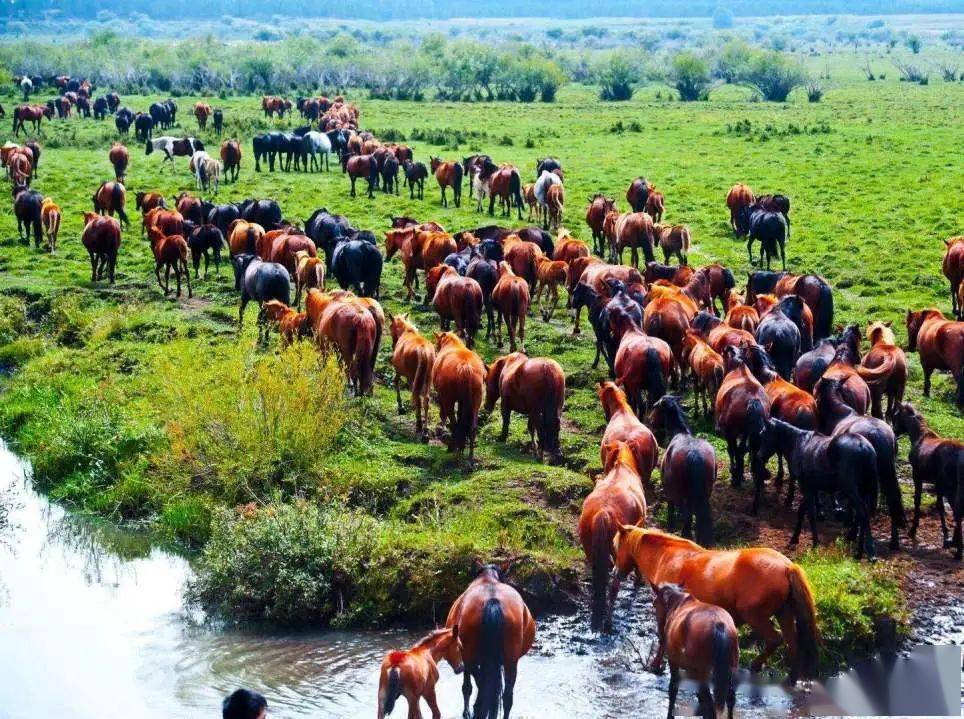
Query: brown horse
point(643, 363)
point(522, 256)
point(953, 268)
point(30, 113)
point(231, 158)
point(654, 205)
point(673, 240)
point(599, 207)
point(633, 230)
point(741, 316)
point(624, 426)
point(706, 367)
point(718, 335)
point(147, 201)
point(20, 167)
point(721, 282)
point(754, 585)
point(102, 239)
point(940, 343)
point(286, 247)
point(50, 217)
point(190, 207)
point(884, 369)
point(170, 252)
point(700, 639)
point(739, 198)
point(244, 237)
point(678, 275)
point(843, 369)
point(669, 319)
point(555, 206)
point(449, 174)
point(202, 111)
point(616, 499)
point(496, 629)
point(576, 269)
point(429, 248)
point(458, 377)
point(351, 326)
point(742, 409)
point(309, 272)
point(170, 222)
point(568, 248)
point(365, 167)
point(292, 324)
point(637, 193)
point(456, 299)
point(550, 274)
point(510, 297)
point(119, 157)
point(110, 198)
point(414, 673)
point(533, 387)
point(813, 289)
point(413, 357)
point(506, 185)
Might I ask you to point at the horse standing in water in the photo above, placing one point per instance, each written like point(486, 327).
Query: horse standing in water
point(496, 630)
point(414, 673)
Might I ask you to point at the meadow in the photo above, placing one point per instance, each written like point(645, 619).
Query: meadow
point(154, 410)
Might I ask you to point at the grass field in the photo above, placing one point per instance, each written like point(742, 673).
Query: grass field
point(874, 174)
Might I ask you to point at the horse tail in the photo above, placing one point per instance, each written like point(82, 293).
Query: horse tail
point(653, 373)
point(464, 420)
point(600, 551)
point(875, 376)
point(320, 276)
point(392, 691)
point(16, 117)
point(117, 201)
point(755, 421)
point(252, 244)
point(699, 476)
point(804, 611)
point(471, 315)
point(490, 658)
point(722, 677)
point(551, 407)
point(515, 189)
point(457, 178)
point(823, 318)
point(365, 350)
point(729, 282)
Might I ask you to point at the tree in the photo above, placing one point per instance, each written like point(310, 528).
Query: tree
point(618, 76)
point(773, 75)
point(690, 75)
point(732, 61)
point(722, 18)
point(914, 43)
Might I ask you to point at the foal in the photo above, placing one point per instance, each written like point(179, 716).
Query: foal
point(414, 673)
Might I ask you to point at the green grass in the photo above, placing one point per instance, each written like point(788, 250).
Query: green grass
point(99, 372)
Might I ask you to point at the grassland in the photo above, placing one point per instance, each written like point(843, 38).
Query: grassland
point(874, 174)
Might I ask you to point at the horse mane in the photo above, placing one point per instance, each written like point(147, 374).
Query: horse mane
point(670, 539)
point(430, 638)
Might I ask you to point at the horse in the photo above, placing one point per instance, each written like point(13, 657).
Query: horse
point(654, 205)
point(208, 172)
point(420, 250)
point(496, 629)
point(259, 281)
point(781, 337)
point(793, 308)
point(940, 343)
point(266, 213)
point(202, 111)
point(101, 238)
point(753, 584)
point(413, 357)
point(510, 297)
point(529, 196)
point(110, 198)
point(624, 426)
point(569, 248)
point(540, 191)
point(555, 201)
point(231, 157)
point(599, 207)
point(884, 369)
point(218, 117)
point(740, 315)
point(811, 365)
point(844, 463)
point(173, 147)
point(448, 174)
point(327, 230)
point(415, 175)
point(550, 274)
point(770, 229)
point(634, 230)
point(837, 417)
point(171, 252)
point(534, 387)
point(952, 267)
point(455, 298)
point(27, 206)
point(673, 240)
point(505, 183)
point(143, 127)
point(738, 200)
point(309, 273)
point(706, 366)
point(350, 326)
point(414, 673)
point(642, 363)
point(292, 324)
point(285, 246)
point(203, 241)
point(718, 335)
point(363, 166)
point(669, 319)
point(486, 274)
point(550, 164)
point(119, 157)
point(101, 108)
point(190, 207)
point(50, 216)
point(20, 167)
point(458, 377)
point(313, 145)
point(522, 256)
point(637, 193)
point(814, 290)
point(617, 499)
point(34, 114)
point(389, 174)
point(123, 120)
point(843, 368)
point(741, 411)
point(937, 459)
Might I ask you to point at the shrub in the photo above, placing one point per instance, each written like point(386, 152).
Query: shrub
point(618, 77)
point(690, 75)
point(773, 75)
point(915, 44)
point(814, 92)
point(732, 61)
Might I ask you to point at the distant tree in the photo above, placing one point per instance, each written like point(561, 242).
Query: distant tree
point(618, 77)
point(690, 75)
point(722, 18)
point(773, 75)
point(732, 60)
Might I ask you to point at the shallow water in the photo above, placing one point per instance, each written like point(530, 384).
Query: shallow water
point(92, 625)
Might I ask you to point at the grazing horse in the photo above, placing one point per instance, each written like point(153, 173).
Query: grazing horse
point(309, 273)
point(634, 230)
point(363, 166)
point(706, 366)
point(814, 290)
point(701, 639)
point(742, 409)
point(456, 299)
point(738, 200)
point(953, 269)
point(147, 201)
point(753, 584)
point(939, 460)
point(20, 167)
point(351, 326)
point(413, 357)
point(688, 470)
point(638, 193)
point(414, 673)
point(119, 157)
point(642, 363)
point(260, 281)
point(27, 206)
point(534, 387)
point(844, 463)
point(110, 198)
point(843, 368)
point(673, 240)
point(101, 238)
point(171, 252)
point(940, 343)
point(510, 297)
point(50, 217)
point(599, 207)
point(458, 377)
point(208, 172)
point(884, 369)
point(202, 111)
point(654, 205)
point(550, 274)
point(496, 629)
point(622, 425)
point(203, 241)
point(770, 229)
point(231, 157)
point(415, 175)
point(449, 174)
point(292, 324)
point(616, 499)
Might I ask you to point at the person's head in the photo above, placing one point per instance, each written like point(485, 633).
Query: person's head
point(244, 704)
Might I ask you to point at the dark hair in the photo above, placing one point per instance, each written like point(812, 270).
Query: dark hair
point(243, 704)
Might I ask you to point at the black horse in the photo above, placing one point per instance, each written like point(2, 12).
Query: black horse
point(143, 127)
point(781, 337)
point(770, 229)
point(160, 114)
point(266, 213)
point(26, 206)
point(461, 260)
point(357, 264)
point(218, 121)
point(221, 216)
point(327, 230)
point(101, 108)
point(415, 175)
point(205, 240)
point(388, 169)
point(260, 281)
point(486, 273)
point(123, 119)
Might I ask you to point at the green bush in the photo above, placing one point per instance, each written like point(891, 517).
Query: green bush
point(773, 75)
point(690, 75)
point(618, 77)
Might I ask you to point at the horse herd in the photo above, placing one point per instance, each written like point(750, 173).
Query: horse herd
point(778, 377)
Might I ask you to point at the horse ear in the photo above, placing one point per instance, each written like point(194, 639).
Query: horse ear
point(887, 323)
point(476, 566)
point(840, 328)
point(455, 631)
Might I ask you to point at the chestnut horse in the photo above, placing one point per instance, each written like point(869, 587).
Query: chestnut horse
point(449, 174)
point(637, 193)
point(456, 299)
point(351, 327)
point(413, 357)
point(953, 268)
point(599, 207)
point(630, 229)
point(719, 335)
point(568, 248)
point(753, 584)
point(458, 377)
point(510, 297)
point(624, 426)
point(706, 366)
point(506, 184)
point(673, 240)
point(102, 239)
point(884, 369)
point(309, 271)
point(550, 274)
point(738, 200)
point(496, 629)
point(843, 368)
point(642, 363)
point(740, 315)
point(110, 198)
point(170, 252)
point(414, 673)
point(365, 167)
point(654, 205)
point(721, 282)
point(231, 157)
point(292, 324)
point(534, 387)
point(50, 217)
point(244, 237)
point(616, 499)
point(170, 222)
point(119, 157)
point(147, 201)
point(202, 111)
point(940, 343)
point(522, 257)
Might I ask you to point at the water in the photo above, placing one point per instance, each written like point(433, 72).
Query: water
point(92, 626)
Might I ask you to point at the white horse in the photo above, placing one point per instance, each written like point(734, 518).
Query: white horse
point(314, 144)
point(541, 190)
point(26, 87)
point(208, 171)
point(479, 187)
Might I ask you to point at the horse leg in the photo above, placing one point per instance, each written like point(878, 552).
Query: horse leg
point(445, 202)
point(763, 628)
point(187, 278)
point(736, 465)
point(749, 250)
point(509, 673)
point(927, 380)
point(432, 701)
point(704, 706)
point(352, 194)
point(93, 267)
point(940, 513)
point(918, 489)
point(673, 690)
point(466, 692)
point(783, 255)
point(801, 510)
point(506, 415)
